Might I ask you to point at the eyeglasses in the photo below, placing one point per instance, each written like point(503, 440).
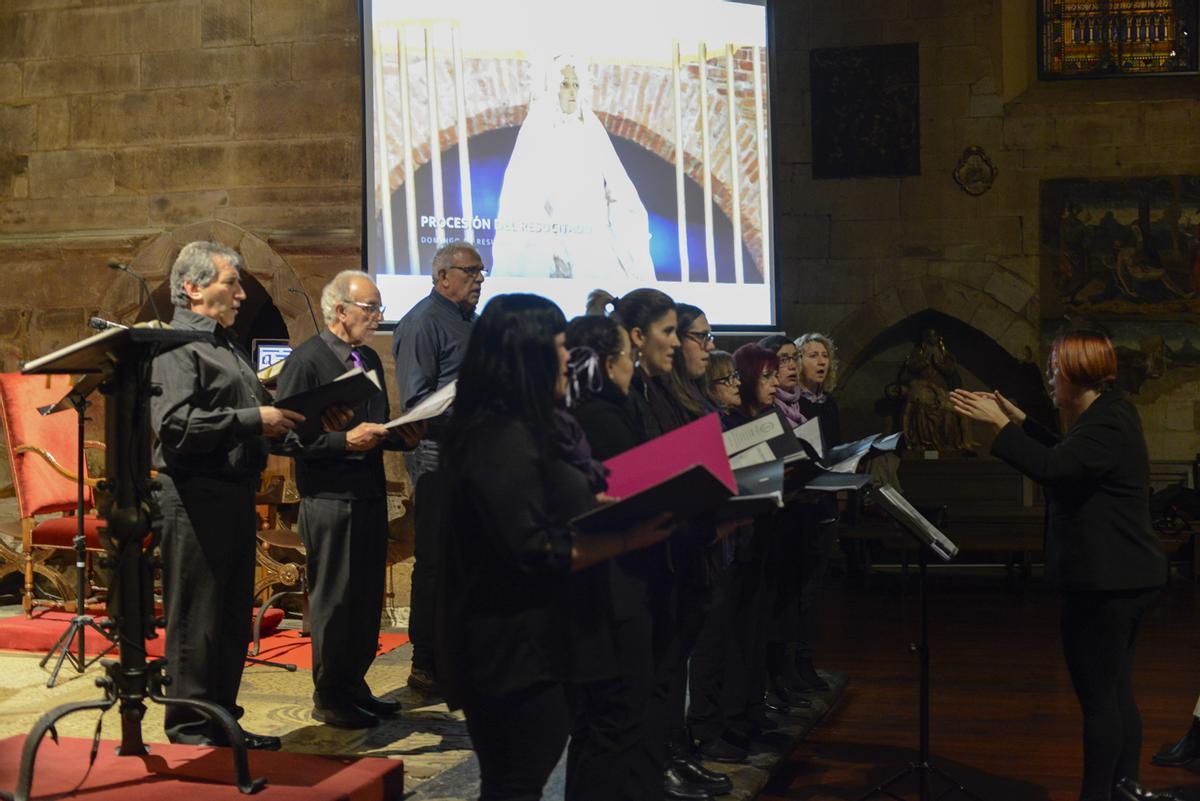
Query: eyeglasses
point(701, 338)
point(788, 358)
point(369, 308)
point(728, 380)
point(471, 272)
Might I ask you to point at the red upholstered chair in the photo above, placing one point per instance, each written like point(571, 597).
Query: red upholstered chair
point(42, 450)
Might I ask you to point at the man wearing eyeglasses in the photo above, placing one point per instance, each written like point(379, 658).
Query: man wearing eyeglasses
point(343, 504)
point(429, 343)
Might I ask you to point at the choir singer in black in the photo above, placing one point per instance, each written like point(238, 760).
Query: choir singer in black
point(1101, 551)
point(343, 504)
point(509, 628)
point(213, 420)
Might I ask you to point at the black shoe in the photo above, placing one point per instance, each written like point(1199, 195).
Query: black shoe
point(721, 750)
point(1129, 790)
point(709, 780)
point(773, 703)
point(1179, 754)
point(780, 701)
point(345, 716)
point(677, 787)
point(380, 707)
point(261, 742)
point(424, 682)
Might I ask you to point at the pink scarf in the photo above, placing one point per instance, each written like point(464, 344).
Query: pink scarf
point(789, 404)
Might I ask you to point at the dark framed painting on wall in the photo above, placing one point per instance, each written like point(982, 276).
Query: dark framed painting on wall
point(1116, 38)
point(865, 111)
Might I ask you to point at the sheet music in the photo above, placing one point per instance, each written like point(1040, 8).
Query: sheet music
point(750, 434)
point(904, 513)
point(759, 454)
point(431, 407)
point(845, 458)
point(810, 432)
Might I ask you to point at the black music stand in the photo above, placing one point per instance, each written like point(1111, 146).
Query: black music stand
point(928, 538)
point(76, 399)
point(123, 357)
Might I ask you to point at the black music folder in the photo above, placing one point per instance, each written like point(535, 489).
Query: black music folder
point(349, 389)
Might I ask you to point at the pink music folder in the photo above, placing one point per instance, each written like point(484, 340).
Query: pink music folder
point(697, 443)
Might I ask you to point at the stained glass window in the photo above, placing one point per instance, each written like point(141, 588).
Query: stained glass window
point(1103, 38)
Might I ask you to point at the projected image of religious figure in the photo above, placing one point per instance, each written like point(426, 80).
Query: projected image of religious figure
point(568, 209)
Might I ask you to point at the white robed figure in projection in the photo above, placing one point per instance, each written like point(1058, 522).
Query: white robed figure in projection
point(567, 207)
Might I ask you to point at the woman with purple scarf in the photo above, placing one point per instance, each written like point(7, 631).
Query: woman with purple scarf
point(807, 373)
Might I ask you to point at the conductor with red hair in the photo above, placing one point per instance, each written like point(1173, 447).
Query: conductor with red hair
point(1101, 551)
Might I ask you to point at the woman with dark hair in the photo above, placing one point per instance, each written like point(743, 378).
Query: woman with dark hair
point(1100, 548)
point(608, 755)
point(508, 631)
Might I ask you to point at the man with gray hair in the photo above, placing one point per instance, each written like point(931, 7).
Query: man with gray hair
point(429, 344)
point(213, 420)
point(343, 504)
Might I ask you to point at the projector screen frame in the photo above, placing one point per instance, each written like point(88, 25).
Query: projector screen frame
point(368, 147)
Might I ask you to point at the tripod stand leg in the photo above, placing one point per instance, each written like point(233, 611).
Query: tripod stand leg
point(34, 739)
point(955, 785)
point(81, 663)
point(882, 789)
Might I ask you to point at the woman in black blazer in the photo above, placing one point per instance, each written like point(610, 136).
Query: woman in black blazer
point(1100, 548)
point(510, 488)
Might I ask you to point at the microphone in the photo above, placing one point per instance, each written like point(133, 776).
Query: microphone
point(113, 264)
point(303, 294)
point(100, 324)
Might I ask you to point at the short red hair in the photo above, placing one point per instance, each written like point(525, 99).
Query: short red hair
point(1084, 358)
point(751, 361)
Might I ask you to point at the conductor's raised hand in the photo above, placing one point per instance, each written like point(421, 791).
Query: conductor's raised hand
point(335, 418)
point(1009, 408)
point(365, 436)
point(277, 422)
point(981, 406)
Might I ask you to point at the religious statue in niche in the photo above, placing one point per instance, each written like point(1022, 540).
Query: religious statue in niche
point(928, 374)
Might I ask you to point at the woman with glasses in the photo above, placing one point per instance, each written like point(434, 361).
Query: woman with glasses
point(721, 383)
point(1101, 550)
point(507, 620)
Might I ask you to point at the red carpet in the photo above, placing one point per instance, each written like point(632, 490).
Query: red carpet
point(197, 774)
point(40, 632)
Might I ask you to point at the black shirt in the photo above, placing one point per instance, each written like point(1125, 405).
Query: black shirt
point(205, 412)
point(505, 614)
point(324, 468)
point(1097, 482)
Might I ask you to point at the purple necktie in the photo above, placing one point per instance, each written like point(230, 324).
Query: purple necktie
point(354, 357)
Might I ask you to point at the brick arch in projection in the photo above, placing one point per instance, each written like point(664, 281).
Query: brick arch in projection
point(646, 90)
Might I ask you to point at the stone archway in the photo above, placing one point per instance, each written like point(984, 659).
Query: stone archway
point(153, 262)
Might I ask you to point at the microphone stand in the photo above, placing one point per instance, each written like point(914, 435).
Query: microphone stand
point(113, 264)
point(76, 399)
point(307, 302)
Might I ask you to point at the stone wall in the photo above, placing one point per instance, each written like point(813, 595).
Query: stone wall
point(859, 256)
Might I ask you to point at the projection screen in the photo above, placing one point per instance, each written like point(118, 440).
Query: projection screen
point(575, 145)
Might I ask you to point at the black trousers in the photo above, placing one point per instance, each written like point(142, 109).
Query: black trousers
point(518, 739)
point(693, 601)
point(208, 587)
point(346, 546)
point(1098, 634)
point(608, 759)
point(817, 552)
point(718, 660)
point(422, 466)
